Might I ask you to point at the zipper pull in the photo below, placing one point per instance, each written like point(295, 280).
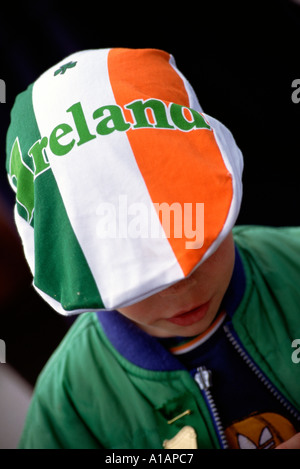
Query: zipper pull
point(203, 377)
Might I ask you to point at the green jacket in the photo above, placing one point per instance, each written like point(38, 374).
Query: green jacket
point(90, 396)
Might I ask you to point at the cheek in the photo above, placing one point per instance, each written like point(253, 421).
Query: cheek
point(140, 313)
point(226, 270)
point(225, 255)
point(218, 269)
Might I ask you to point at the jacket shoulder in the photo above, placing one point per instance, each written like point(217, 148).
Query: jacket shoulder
point(269, 244)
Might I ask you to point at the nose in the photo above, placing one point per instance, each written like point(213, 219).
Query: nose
point(179, 287)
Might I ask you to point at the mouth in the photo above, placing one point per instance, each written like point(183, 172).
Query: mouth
point(190, 317)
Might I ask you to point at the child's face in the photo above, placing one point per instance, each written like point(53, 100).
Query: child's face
point(188, 307)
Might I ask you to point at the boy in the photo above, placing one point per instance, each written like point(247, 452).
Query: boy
point(127, 196)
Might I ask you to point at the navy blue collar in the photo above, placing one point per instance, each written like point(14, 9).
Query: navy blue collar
point(148, 352)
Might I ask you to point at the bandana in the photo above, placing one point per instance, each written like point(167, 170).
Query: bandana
point(123, 185)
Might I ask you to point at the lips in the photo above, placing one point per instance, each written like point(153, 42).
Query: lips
point(190, 317)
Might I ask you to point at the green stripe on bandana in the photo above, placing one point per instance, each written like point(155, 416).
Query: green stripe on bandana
point(56, 249)
point(39, 203)
point(19, 165)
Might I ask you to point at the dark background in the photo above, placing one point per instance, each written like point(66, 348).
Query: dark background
point(240, 57)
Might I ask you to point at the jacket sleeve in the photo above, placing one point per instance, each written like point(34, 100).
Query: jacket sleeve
point(53, 421)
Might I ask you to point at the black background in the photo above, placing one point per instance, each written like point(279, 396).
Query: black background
point(240, 57)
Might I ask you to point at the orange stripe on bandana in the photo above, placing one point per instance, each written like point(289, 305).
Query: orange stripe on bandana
point(177, 166)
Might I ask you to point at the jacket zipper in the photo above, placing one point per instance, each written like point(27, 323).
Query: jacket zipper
point(204, 381)
point(260, 375)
